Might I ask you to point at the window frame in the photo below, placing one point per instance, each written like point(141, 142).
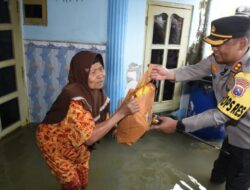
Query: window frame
point(36, 21)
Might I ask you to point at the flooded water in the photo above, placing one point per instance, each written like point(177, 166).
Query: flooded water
point(157, 162)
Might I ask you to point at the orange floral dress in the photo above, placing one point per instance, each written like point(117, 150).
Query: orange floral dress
point(62, 146)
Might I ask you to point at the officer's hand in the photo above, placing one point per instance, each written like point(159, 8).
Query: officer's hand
point(167, 125)
point(158, 72)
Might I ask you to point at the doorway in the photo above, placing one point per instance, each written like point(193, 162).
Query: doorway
point(13, 98)
point(167, 34)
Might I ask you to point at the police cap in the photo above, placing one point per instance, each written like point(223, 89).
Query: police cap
point(226, 28)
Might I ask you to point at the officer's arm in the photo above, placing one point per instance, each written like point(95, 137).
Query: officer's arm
point(194, 72)
point(209, 118)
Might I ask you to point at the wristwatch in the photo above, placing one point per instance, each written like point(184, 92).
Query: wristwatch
point(180, 126)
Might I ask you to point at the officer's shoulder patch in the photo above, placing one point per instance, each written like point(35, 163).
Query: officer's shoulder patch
point(236, 103)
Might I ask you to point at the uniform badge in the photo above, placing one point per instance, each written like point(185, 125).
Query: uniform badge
point(240, 86)
point(236, 67)
point(234, 70)
point(236, 103)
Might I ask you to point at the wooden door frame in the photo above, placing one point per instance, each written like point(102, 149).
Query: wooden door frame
point(18, 62)
point(170, 104)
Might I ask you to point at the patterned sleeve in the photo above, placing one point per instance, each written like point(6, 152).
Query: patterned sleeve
point(81, 123)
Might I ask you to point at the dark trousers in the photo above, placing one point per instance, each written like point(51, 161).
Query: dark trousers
point(233, 168)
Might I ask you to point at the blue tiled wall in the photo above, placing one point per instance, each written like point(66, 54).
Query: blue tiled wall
point(47, 65)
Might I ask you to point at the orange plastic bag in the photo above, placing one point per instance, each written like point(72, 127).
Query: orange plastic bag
point(131, 128)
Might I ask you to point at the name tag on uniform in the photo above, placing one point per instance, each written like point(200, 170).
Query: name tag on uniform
point(236, 103)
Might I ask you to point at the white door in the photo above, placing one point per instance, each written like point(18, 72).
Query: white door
point(167, 35)
point(13, 99)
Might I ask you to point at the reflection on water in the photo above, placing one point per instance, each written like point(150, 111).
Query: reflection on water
point(157, 162)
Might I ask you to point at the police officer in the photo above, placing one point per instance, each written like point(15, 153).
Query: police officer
point(229, 65)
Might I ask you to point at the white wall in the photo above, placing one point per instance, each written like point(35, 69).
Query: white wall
point(221, 8)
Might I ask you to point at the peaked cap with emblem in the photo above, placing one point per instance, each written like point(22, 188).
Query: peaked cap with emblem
point(227, 28)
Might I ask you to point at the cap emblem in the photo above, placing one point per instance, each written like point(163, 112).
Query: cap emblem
point(213, 29)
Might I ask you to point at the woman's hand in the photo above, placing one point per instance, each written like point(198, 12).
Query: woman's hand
point(104, 127)
point(167, 125)
point(130, 107)
point(158, 72)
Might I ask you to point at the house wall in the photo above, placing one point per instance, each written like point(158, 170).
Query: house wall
point(82, 21)
point(74, 26)
point(47, 66)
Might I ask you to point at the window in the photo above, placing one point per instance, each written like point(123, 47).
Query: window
point(35, 12)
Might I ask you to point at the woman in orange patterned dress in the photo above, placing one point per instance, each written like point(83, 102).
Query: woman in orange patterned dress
point(77, 119)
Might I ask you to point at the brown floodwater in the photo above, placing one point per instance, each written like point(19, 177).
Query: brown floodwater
point(156, 162)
